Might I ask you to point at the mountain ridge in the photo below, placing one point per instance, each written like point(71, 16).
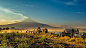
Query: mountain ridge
point(28, 23)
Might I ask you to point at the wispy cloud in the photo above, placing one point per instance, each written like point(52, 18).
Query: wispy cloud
point(80, 12)
point(7, 16)
point(2, 20)
point(70, 2)
point(75, 0)
point(32, 6)
point(77, 21)
point(13, 9)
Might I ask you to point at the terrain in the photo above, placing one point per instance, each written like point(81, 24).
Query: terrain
point(31, 24)
point(27, 40)
point(28, 23)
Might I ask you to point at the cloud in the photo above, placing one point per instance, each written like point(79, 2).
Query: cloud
point(14, 22)
point(71, 2)
point(77, 21)
point(75, 0)
point(2, 20)
point(7, 16)
point(66, 2)
point(80, 12)
point(32, 6)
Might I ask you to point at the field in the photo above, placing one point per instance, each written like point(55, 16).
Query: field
point(27, 40)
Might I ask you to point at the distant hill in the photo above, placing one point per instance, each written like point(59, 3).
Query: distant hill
point(31, 24)
point(28, 23)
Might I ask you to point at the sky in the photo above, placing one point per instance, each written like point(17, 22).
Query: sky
point(51, 12)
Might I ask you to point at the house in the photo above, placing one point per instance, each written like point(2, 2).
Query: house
point(49, 33)
point(77, 35)
point(58, 33)
point(38, 30)
point(71, 31)
point(84, 34)
point(45, 30)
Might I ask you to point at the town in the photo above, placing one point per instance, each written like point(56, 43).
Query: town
point(70, 32)
point(15, 38)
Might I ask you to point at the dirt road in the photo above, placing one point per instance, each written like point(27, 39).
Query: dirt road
point(70, 43)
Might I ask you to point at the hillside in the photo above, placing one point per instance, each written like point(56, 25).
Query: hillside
point(28, 23)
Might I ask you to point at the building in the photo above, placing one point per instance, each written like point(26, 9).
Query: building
point(71, 31)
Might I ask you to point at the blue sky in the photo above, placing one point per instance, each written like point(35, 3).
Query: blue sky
point(52, 12)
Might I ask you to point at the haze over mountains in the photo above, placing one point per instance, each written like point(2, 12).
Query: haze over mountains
point(29, 23)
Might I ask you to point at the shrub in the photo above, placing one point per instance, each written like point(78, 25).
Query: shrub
point(26, 45)
point(13, 33)
point(22, 39)
point(4, 42)
point(28, 35)
point(61, 47)
point(18, 34)
point(65, 38)
point(8, 35)
point(72, 39)
point(36, 37)
point(43, 39)
point(23, 45)
point(17, 39)
point(1, 34)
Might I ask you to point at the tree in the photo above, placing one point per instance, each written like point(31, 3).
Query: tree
point(4, 28)
point(0, 28)
point(45, 30)
point(7, 28)
point(12, 27)
point(39, 29)
point(77, 30)
point(73, 30)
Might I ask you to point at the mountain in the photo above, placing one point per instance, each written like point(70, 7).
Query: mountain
point(64, 26)
point(29, 20)
point(31, 24)
point(28, 23)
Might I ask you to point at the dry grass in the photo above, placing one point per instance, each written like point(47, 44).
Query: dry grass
point(52, 36)
point(74, 40)
point(68, 39)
